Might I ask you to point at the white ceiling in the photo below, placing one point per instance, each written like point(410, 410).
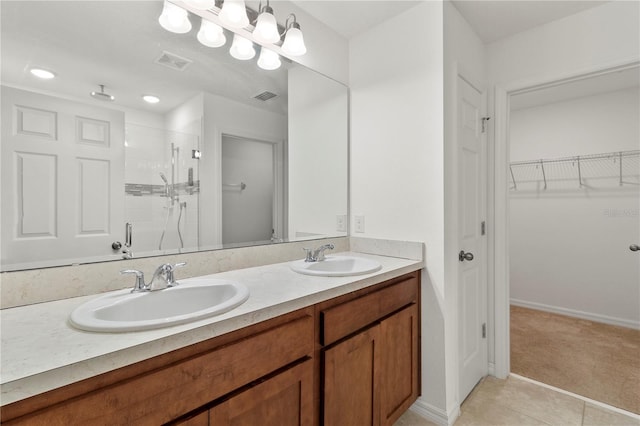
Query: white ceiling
point(493, 20)
point(490, 19)
point(351, 17)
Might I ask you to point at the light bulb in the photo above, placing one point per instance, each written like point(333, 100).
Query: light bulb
point(242, 48)
point(211, 34)
point(234, 14)
point(174, 19)
point(201, 4)
point(294, 42)
point(266, 30)
point(269, 60)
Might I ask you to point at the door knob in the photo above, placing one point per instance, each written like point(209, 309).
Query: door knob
point(634, 247)
point(116, 245)
point(462, 256)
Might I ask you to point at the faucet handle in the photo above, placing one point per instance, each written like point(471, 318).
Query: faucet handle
point(308, 255)
point(140, 285)
point(171, 281)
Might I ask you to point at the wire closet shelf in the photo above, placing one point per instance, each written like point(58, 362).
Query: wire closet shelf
point(608, 170)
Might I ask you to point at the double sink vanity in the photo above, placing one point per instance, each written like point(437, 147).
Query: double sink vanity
point(332, 341)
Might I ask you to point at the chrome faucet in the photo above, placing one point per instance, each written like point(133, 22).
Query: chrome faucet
point(317, 255)
point(163, 277)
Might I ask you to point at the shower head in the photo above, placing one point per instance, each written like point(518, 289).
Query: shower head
point(101, 95)
point(164, 178)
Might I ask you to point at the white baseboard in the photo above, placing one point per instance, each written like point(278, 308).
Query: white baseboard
point(492, 369)
point(435, 414)
point(621, 322)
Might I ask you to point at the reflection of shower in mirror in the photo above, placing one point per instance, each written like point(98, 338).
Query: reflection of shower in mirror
point(173, 197)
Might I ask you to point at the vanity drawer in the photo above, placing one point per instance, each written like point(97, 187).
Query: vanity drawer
point(346, 318)
point(164, 394)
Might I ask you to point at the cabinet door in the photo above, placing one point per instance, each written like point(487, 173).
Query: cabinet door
point(399, 363)
point(350, 381)
point(283, 400)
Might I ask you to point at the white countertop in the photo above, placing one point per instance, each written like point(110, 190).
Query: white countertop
point(40, 351)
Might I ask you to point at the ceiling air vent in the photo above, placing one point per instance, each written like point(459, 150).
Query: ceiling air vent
point(265, 96)
point(173, 61)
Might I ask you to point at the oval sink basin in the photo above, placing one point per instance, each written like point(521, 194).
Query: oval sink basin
point(191, 300)
point(336, 266)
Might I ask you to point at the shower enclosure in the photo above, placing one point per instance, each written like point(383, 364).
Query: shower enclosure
point(162, 187)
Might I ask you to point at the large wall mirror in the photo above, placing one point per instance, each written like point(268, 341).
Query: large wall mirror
point(231, 155)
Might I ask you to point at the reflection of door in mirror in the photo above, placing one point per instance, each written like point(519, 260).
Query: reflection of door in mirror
point(62, 179)
point(249, 209)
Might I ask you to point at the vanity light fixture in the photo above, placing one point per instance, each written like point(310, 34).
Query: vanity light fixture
point(211, 34)
point(201, 4)
point(242, 48)
point(174, 19)
point(234, 14)
point(151, 99)
point(266, 30)
point(269, 60)
point(293, 40)
point(42, 73)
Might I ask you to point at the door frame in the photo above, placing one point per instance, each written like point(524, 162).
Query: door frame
point(498, 201)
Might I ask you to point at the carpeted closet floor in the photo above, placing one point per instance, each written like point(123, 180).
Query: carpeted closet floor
point(595, 360)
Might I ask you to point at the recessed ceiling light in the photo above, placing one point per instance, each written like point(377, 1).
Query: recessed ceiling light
point(43, 74)
point(151, 99)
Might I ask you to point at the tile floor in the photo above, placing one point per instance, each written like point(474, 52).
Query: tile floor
point(517, 402)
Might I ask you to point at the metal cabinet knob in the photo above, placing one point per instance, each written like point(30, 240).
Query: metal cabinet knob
point(462, 256)
point(634, 247)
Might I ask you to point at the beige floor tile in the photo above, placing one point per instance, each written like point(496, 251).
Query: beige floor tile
point(528, 399)
point(495, 415)
point(597, 416)
point(409, 418)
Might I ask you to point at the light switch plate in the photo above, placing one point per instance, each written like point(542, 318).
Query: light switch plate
point(359, 223)
point(341, 223)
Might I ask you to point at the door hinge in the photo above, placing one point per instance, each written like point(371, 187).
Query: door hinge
point(484, 122)
point(483, 228)
point(484, 330)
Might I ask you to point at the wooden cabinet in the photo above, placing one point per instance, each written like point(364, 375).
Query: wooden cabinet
point(371, 359)
point(351, 374)
point(400, 363)
point(352, 360)
point(284, 400)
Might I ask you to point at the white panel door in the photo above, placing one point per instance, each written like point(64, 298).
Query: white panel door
point(472, 265)
point(62, 187)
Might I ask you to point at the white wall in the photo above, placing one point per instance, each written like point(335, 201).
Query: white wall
point(317, 153)
point(570, 246)
point(397, 177)
point(600, 36)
